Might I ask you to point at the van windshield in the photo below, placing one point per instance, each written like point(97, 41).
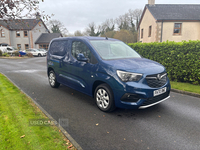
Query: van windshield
point(113, 49)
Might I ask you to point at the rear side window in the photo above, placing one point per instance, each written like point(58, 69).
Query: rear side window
point(58, 48)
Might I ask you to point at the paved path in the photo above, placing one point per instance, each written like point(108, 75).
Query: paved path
point(171, 125)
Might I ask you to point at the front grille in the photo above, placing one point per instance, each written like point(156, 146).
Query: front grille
point(155, 99)
point(155, 82)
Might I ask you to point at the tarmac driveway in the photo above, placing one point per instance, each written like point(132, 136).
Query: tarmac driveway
point(171, 125)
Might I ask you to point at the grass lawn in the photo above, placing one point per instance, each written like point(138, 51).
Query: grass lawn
point(16, 110)
point(185, 87)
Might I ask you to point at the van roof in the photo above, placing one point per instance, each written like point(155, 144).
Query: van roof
point(87, 38)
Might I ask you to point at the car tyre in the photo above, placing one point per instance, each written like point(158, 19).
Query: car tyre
point(39, 55)
point(104, 98)
point(52, 80)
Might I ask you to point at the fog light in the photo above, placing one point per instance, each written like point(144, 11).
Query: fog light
point(128, 97)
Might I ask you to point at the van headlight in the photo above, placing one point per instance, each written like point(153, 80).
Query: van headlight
point(128, 76)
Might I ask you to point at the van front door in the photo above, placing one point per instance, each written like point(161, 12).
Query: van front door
point(79, 74)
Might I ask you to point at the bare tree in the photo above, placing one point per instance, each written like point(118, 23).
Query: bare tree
point(108, 25)
point(92, 30)
point(135, 15)
point(78, 33)
point(126, 25)
point(17, 9)
point(130, 20)
point(123, 22)
point(57, 27)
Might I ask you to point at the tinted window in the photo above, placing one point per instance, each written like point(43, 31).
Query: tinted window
point(58, 48)
point(80, 47)
point(9, 49)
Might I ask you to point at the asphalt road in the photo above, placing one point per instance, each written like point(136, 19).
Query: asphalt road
point(171, 125)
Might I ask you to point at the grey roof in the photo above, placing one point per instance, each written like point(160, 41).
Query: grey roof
point(47, 37)
point(175, 11)
point(20, 24)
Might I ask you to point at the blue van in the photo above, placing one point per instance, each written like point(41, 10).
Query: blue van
point(108, 70)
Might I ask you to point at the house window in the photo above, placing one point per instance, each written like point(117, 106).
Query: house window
point(177, 28)
point(150, 31)
point(44, 46)
point(26, 46)
point(2, 33)
point(142, 33)
point(25, 33)
point(19, 46)
point(17, 34)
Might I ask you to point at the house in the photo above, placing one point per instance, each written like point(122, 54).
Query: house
point(172, 22)
point(23, 33)
point(45, 38)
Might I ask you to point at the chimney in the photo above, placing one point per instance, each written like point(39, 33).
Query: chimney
point(151, 2)
point(37, 16)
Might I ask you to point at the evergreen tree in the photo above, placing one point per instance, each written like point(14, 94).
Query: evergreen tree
point(55, 29)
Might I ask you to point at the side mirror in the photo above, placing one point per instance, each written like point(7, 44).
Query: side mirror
point(81, 57)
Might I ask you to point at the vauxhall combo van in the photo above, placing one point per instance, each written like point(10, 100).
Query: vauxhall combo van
point(108, 70)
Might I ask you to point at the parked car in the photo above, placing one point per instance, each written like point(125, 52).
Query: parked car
point(108, 70)
point(36, 52)
point(4, 44)
point(8, 49)
point(42, 50)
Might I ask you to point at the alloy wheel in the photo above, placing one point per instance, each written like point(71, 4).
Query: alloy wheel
point(102, 98)
point(52, 79)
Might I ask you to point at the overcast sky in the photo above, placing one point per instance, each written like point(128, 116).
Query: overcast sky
point(77, 14)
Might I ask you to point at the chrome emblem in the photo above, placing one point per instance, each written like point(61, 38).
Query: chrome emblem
point(159, 76)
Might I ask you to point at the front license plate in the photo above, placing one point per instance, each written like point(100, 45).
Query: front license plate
point(160, 91)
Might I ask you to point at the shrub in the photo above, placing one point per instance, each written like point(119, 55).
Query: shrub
point(5, 55)
point(16, 53)
point(181, 59)
point(30, 55)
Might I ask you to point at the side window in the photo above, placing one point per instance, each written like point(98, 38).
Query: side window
point(9, 49)
point(19, 46)
point(58, 48)
point(80, 47)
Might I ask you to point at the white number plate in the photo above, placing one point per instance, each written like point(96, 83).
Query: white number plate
point(160, 91)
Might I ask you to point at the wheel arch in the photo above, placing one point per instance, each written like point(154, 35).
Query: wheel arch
point(97, 83)
point(49, 69)
point(111, 101)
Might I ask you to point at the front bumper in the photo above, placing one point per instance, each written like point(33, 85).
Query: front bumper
point(138, 95)
point(153, 103)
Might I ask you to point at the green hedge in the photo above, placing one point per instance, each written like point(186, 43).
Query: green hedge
point(181, 59)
